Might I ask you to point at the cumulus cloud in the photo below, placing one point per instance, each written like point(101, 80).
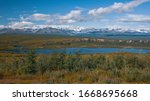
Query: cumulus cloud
point(116, 7)
point(81, 15)
point(22, 24)
point(37, 17)
point(72, 17)
point(135, 18)
point(45, 19)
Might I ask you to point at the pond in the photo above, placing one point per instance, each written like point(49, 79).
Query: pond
point(83, 50)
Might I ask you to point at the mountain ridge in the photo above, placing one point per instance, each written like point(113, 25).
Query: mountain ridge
point(72, 31)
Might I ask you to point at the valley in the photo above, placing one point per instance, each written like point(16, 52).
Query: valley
point(40, 41)
point(109, 68)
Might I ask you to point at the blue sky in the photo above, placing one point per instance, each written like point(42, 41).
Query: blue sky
point(88, 13)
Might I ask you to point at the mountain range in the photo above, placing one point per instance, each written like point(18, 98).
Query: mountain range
point(73, 31)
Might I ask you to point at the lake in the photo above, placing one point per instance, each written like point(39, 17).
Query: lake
point(83, 50)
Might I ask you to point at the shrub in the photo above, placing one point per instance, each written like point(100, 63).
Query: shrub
point(133, 75)
point(101, 61)
point(136, 62)
point(42, 65)
point(30, 63)
point(73, 62)
point(91, 62)
point(133, 62)
point(57, 61)
point(119, 61)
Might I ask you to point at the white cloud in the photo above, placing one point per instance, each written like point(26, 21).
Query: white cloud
point(72, 17)
point(117, 7)
point(45, 19)
point(135, 18)
point(22, 24)
point(2, 26)
point(37, 17)
point(93, 17)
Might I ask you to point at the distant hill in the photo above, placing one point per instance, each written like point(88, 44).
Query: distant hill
point(74, 31)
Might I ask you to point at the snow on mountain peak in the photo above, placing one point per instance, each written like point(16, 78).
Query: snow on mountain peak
point(73, 29)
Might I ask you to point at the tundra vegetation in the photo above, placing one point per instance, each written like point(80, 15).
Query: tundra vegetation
point(69, 68)
point(74, 68)
point(32, 41)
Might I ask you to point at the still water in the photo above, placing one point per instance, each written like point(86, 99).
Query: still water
point(83, 50)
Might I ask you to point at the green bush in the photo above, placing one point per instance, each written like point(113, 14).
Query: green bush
point(119, 61)
point(101, 61)
point(43, 65)
point(30, 63)
point(57, 61)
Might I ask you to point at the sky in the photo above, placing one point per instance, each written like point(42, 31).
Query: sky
point(86, 13)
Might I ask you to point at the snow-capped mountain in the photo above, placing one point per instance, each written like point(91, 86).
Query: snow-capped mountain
point(71, 30)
